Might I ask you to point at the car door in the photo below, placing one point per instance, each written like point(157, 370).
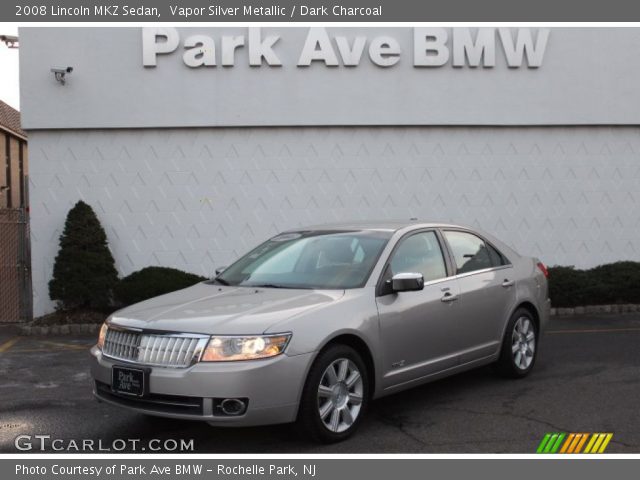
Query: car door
point(415, 326)
point(487, 293)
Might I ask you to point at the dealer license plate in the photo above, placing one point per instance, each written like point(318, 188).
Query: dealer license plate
point(128, 381)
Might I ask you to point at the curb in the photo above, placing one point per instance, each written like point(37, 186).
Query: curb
point(626, 308)
point(72, 329)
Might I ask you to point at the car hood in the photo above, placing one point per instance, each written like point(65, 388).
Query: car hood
point(219, 310)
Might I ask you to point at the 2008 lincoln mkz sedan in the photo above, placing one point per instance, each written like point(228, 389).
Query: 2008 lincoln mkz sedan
point(313, 324)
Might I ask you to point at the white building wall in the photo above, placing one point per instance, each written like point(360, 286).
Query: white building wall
point(587, 76)
point(195, 199)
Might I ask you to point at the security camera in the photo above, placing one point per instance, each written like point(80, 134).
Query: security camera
point(61, 72)
point(10, 40)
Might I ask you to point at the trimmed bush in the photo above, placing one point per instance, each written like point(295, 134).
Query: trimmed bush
point(565, 286)
point(619, 282)
point(84, 272)
point(151, 282)
point(613, 283)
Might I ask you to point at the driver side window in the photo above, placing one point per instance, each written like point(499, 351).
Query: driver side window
point(419, 253)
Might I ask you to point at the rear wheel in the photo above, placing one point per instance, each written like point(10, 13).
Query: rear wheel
point(519, 346)
point(335, 396)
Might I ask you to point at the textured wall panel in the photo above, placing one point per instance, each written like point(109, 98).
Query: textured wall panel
point(588, 76)
point(195, 199)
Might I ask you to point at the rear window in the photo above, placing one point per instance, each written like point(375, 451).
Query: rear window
point(472, 253)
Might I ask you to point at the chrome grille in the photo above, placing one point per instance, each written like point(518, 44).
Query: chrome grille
point(165, 350)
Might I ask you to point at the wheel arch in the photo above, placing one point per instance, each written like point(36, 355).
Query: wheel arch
point(359, 345)
point(531, 308)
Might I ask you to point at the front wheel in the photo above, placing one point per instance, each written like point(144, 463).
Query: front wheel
point(335, 395)
point(519, 346)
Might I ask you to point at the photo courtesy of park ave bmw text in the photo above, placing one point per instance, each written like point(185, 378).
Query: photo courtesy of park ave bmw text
point(382, 238)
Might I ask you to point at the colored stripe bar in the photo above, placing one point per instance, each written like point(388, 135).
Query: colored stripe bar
point(567, 442)
point(543, 443)
point(550, 443)
point(592, 441)
point(596, 445)
point(581, 443)
point(605, 442)
point(559, 442)
point(556, 446)
point(574, 445)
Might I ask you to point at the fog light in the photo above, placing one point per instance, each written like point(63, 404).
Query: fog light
point(232, 406)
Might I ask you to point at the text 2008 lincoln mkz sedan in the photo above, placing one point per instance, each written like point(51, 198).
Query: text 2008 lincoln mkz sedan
point(313, 324)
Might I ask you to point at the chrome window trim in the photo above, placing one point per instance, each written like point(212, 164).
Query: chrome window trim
point(437, 281)
point(484, 270)
point(467, 274)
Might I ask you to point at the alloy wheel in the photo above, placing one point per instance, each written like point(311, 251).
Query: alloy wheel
point(523, 343)
point(340, 395)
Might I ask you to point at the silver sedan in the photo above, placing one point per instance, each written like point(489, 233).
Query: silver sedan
point(314, 323)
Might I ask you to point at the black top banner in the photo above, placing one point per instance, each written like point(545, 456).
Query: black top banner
point(172, 11)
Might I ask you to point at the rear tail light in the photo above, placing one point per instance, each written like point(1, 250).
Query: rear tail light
point(543, 269)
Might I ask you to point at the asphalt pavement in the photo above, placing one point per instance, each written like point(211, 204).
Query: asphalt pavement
point(587, 379)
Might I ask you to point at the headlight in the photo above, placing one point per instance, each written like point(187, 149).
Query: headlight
point(227, 349)
point(102, 335)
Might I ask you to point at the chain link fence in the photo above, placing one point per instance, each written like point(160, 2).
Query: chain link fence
point(15, 267)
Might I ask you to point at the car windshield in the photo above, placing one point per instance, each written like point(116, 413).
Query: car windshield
point(311, 259)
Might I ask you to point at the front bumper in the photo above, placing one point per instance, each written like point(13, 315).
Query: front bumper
point(272, 386)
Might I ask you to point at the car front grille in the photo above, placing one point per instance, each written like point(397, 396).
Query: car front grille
point(164, 350)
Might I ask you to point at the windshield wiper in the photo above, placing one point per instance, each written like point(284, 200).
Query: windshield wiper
point(273, 285)
point(266, 285)
point(221, 281)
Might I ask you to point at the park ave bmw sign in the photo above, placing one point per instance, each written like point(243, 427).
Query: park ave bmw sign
point(432, 47)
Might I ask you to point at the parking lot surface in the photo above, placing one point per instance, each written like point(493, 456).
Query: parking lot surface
point(587, 379)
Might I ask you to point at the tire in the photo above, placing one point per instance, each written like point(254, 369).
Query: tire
point(333, 404)
point(519, 346)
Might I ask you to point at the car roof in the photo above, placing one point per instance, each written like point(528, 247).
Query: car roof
point(384, 225)
point(396, 225)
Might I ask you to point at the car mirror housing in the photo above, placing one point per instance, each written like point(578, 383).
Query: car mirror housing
point(219, 270)
point(407, 282)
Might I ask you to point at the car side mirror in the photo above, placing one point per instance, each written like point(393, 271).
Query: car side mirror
point(219, 270)
point(407, 282)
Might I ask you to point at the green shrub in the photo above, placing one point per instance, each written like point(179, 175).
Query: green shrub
point(566, 286)
point(606, 284)
point(620, 281)
point(84, 273)
point(151, 282)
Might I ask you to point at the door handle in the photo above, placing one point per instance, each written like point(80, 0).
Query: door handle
point(449, 297)
point(508, 283)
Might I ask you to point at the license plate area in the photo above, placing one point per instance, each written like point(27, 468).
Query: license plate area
point(130, 381)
